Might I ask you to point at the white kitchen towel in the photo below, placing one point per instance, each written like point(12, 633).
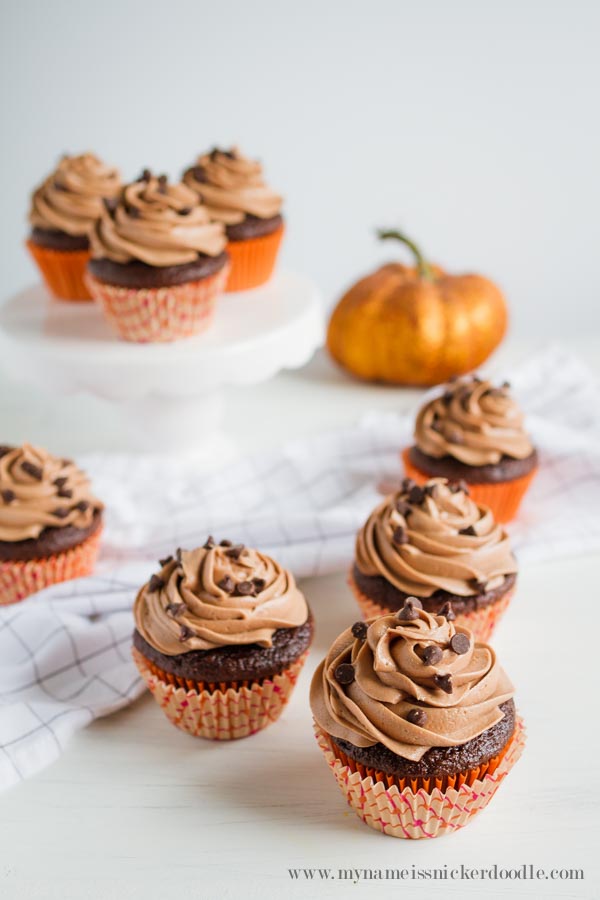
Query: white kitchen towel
point(65, 652)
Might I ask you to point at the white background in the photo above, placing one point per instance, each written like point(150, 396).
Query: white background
point(473, 124)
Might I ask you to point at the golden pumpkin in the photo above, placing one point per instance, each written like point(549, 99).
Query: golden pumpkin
point(416, 325)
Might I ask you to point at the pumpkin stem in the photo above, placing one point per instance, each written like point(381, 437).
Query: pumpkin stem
point(421, 263)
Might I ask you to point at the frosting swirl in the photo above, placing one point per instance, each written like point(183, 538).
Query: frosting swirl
point(70, 199)
point(474, 422)
point(436, 537)
point(413, 685)
point(231, 186)
point(40, 491)
point(217, 596)
point(157, 223)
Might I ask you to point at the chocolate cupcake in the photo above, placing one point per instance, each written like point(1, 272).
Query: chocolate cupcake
point(416, 720)
point(232, 188)
point(158, 262)
point(63, 211)
point(221, 635)
point(474, 431)
point(50, 522)
point(434, 542)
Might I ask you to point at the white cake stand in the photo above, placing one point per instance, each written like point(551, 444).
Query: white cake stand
point(169, 392)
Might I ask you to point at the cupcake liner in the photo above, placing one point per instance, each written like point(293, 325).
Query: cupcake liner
point(63, 271)
point(159, 314)
point(503, 498)
point(19, 579)
point(253, 260)
point(481, 622)
point(423, 808)
point(225, 712)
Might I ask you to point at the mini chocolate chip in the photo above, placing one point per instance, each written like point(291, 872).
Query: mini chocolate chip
point(60, 482)
point(162, 184)
point(244, 588)
point(431, 655)
point(260, 584)
point(8, 496)
point(444, 682)
point(226, 543)
point(67, 462)
point(185, 633)
point(165, 562)
point(67, 493)
point(82, 506)
point(235, 552)
point(447, 611)
point(175, 609)
point(403, 508)
point(199, 174)
point(214, 153)
point(506, 385)
point(453, 435)
point(409, 613)
point(209, 543)
point(456, 486)
point(407, 484)
point(226, 584)
point(400, 536)
point(146, 175)
point(460, 643)
point(110, 205)
point(178, 556)
point(33, 470)
point(155, 584)
point(185, 211)
point(61, 512)
point(416, 494)
point(344, 673)
point(469, 530)
point(416, 717)
point(359, 630)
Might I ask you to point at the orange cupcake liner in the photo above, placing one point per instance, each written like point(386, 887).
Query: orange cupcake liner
point(421, 807)
point(19, 579)
point(63, 271)
point(481, 622)
point(161, 314)
point(503, 498)
point(221, 712)
point(253, 260)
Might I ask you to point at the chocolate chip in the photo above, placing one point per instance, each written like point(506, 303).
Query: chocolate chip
point(453, 435)
point(416, 717)
point(400, 536)
point(155, 584)
point(460, 643)
point(457, 486)
point(416, 494)
point(447, 611)
point(209, 543)
point(403, 508)
point(407, 484)
point(226, 544)
point(165, 562)
point(260, 584)
point(506, 385)
point(409, 613)
point(359, 630)
point(33, 470)
point(185, 633)
point(110, 205)
point(469, 530)
point(244, 588)
point(226, 584)
point(60, 482)
point(67, 493)
point(82, 506)
point(8, 496)
point(199, 174)
point(185, 211)
point(431, 655)
point(146, 175)
point(344, 673)
point(162, 184)
point(61, 512)
point(444, 682)
point(214, 153)
point(175, 609)
point(178, 556)
point(235, 552)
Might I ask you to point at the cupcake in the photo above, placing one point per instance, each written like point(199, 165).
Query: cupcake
point(158, 262)
point(434, 542)
point(50, 522)
point(234, 193)
point(416, 721)
point(221, 634)
point(474, 431)
point(63, 210)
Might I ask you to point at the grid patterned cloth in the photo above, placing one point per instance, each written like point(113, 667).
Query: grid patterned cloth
point(65, 652)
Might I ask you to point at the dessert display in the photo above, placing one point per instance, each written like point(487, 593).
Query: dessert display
point(63, 210)
point(158, 261)
point(221, 634)
point(416, 721)
point(416, 325)
point(232, 188)
point(435, 543)
point(50, 522)
point(473, 430)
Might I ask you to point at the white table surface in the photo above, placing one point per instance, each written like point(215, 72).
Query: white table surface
point(136, 809)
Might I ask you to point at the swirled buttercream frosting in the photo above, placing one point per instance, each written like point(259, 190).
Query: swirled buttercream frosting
point(219, 595)
point(410, 681)
point(231, 186)
point(156, 223)
point(71, 198)
point(422, 539)
point(474, 422)
point(39, 491)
